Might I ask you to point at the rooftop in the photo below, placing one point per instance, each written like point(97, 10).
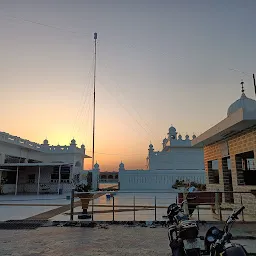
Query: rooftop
point(241, 115)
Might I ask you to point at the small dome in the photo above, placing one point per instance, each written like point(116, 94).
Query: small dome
point(46, 142)
point(121, 165)
point(172, 129)
point(245, 103)
point(96, 165)
point(187, 137)
point(73, 142)
point(150, 145)
point(180, 137)
point(194, 136)
point(82, 146)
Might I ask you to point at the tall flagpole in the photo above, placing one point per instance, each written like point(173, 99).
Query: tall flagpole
point(254, 83)
point(94, 98)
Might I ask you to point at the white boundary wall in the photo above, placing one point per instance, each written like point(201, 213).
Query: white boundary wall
point(157, 180)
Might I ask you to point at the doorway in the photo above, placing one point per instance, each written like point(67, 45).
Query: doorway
point(227, 180)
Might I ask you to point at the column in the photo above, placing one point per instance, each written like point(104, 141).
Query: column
point(38, 180)
point(17, 178)
point(59, 180)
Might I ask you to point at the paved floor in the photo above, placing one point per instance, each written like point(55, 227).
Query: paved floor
point(20, 210)
point(114, 241)
point(56, 207)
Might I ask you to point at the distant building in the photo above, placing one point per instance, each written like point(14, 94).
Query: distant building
point(29, 167)
point(177, 154)
point(178, 160)
point(229, 153)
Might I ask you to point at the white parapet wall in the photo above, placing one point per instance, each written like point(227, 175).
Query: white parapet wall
point(139, 180)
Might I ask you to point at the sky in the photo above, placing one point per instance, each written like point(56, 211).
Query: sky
point(159, 63)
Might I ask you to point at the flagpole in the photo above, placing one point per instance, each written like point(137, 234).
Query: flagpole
point(253, 76)
point(94, 98)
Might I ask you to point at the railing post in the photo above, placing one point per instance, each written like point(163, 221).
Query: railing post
point(92, 206)
point(219, 206)
point(113, 208)
point(72, 204)
point(241, 199)
point(220, 214)
point(134, 208)
point(155, 208)
point(185, 204)
point(198, 216)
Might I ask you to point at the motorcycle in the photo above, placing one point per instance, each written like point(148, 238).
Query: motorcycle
point(217, 242)
point(183, 233)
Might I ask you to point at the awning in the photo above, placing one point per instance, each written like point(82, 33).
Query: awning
point(34, 164)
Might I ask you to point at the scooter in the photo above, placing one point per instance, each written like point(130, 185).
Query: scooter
point(217, 242)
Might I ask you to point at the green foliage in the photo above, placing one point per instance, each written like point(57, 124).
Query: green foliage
point(83, 188)
point(182, 183)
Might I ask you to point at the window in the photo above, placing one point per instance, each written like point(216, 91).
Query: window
point(245, 167)
point(31, 178)
point(213, 172)
point(64, 174)
point(13, 159)
point(10, 177)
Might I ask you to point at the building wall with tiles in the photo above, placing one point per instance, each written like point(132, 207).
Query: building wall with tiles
point(243, 142)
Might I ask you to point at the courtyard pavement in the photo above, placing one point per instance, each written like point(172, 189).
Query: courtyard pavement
point(113, 240)
point(56, 207)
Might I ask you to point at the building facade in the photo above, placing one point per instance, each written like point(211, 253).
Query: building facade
point(177, 160)
point(177, 154)
point(29, 167)
point(229, 154)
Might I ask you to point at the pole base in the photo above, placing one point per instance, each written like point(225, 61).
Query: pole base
point(84, 216)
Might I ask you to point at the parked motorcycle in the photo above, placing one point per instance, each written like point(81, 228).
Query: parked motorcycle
point(217, 242)
point(183, 233)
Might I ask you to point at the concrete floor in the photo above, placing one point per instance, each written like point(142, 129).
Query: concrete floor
point(114, 241)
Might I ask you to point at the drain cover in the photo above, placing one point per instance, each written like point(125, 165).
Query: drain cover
point(22, 224)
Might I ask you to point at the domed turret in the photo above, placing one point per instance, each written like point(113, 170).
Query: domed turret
point(150, 149)
point(247, 104)
point(187, 137)
point(165, 140)
point(180, 137)
point(46, 142)
point(96, 166)
point(194, 136)
point(73, 142)
point(82, 146)
point(172, 133)
point(121, 165)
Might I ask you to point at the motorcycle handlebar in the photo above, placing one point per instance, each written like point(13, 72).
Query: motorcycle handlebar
point(238, 212)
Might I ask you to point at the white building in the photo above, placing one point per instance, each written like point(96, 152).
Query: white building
point(178, 160)
point(29, 167)
point(176, 154)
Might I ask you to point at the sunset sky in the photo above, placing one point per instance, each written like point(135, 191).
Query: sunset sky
point(159, 63)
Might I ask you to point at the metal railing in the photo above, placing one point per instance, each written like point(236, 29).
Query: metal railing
point(156, 205)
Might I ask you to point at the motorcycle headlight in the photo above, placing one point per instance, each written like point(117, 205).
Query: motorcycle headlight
point(215, 232)
point(210, 239)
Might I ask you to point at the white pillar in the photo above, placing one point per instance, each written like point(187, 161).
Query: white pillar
point(38, 180)
point(17, 178)
point(59, 180)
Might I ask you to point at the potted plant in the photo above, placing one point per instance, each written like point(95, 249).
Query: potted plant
point(85, 198)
